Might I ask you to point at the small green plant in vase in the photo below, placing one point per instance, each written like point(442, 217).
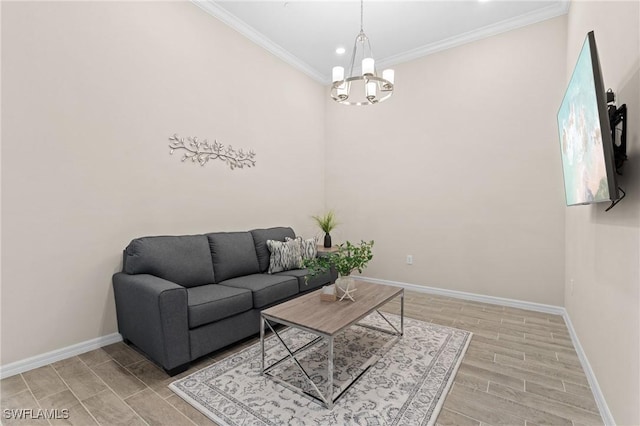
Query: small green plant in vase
point(348, 258)
point(327, 223)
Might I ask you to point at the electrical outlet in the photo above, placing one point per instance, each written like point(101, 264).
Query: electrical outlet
point(409, 259)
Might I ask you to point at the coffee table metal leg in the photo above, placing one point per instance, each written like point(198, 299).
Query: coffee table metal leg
point(330, 374)
point(291, 355)
point(402, 313)
point(262, 344)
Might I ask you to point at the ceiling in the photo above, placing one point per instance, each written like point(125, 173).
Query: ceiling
point(306, 33)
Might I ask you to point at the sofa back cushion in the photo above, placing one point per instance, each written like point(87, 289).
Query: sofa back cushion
point(260, 237)
point(184, 260)
point(233, 254)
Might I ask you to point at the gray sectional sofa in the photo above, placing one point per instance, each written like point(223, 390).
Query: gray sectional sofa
point(181, 297)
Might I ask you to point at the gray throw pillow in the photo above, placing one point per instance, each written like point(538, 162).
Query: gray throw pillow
point(285, 255)
point(308, 247)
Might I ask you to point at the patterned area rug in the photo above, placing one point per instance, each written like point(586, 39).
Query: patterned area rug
point(406, 386)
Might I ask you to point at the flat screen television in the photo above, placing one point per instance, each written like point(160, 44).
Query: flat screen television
point(587, 146)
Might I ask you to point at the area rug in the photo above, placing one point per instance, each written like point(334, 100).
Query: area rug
point(406, 386)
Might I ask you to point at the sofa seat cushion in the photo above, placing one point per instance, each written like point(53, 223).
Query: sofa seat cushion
point(266, 289)
point(322, 278)
point(212, 302)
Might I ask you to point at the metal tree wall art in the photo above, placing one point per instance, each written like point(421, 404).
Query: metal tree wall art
point(203, 151)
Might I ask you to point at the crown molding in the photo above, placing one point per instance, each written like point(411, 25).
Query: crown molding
point(213, 9)
point(553, 11)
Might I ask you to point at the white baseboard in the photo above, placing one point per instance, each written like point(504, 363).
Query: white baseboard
point(59, 354)
point(605, 413)
point(512, 303)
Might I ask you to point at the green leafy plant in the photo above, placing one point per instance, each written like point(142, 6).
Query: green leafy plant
point(326, 222)
point(348, 258)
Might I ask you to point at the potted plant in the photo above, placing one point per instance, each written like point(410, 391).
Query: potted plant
point(348, 258)
point(327, 223)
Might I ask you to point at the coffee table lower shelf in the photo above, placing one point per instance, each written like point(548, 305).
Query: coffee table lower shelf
point(330, 396)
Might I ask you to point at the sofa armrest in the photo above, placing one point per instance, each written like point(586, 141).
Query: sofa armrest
point(152, 314)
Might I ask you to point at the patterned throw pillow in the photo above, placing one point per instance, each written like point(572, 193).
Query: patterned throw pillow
point(285, 255)
point(308, 248)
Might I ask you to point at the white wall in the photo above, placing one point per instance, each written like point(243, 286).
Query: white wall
point(603, 249)
point(460, 168)
point(92, 91)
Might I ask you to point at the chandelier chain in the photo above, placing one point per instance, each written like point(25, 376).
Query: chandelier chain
point(361, 16)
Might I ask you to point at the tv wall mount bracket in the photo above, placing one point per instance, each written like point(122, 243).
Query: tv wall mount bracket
point(618, 123)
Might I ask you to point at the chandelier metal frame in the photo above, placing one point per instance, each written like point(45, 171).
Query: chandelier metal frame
point(376, 89)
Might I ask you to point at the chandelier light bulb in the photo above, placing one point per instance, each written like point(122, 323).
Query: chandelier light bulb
point(338, 74)
point(368, 67)
point(388, 75)
point(371, 90)
point(343, 92)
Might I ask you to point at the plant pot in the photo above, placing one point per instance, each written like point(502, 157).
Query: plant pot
point(327, 240)
point(345, 287)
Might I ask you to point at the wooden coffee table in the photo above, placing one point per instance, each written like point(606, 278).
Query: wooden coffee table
point(326, 320)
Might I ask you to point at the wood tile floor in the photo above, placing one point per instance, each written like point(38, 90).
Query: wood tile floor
point(520, 369)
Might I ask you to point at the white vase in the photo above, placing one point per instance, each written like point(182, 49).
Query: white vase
point(345, 287)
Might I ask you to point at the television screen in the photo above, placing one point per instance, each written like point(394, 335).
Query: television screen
point(585, 135)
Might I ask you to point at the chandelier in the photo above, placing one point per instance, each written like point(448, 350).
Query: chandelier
point(367, 87)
